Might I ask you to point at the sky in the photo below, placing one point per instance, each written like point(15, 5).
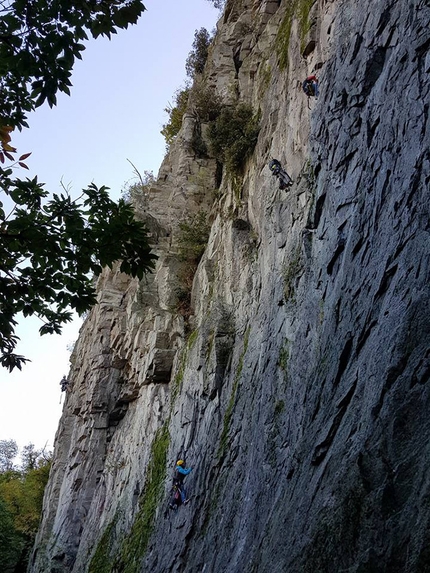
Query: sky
point(114, 114)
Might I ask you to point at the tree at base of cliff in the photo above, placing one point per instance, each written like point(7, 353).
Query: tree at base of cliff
point(21, 496)
point(48, 251)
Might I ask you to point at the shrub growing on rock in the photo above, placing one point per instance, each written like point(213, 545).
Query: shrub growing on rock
point(207, 105)
point(233, 136)
point(192, 241)
point(193, 237)
point(206, 102)
point(219, 4)
point(176, 113)
point(136, 192)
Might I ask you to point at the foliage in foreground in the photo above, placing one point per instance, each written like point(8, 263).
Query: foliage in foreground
point(49, 251)
point(39, 42)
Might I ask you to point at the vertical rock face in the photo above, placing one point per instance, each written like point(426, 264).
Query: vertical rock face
point(298, 389)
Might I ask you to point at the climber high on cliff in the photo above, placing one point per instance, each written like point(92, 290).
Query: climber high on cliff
point(178, 491)
point(64, 383)
point(310, 86)
point(276, 169)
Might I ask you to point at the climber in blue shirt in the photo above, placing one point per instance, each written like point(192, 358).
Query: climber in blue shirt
point(178, 479)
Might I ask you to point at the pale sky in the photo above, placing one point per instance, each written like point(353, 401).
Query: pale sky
point(115, 113)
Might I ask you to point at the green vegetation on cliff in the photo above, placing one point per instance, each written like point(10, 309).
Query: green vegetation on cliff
point(193, 237)
point(175, 112)
point(230, 406)
point(128, 558)
point(101, 561)
point(196, 60)
point(299, 9)
point(233, 136)
point(291, 272)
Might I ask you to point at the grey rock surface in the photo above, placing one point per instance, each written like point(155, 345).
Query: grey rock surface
point(298, 389)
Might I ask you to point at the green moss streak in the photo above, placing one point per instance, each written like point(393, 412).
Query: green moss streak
point(229, 412)
point(284, 355)
point(291, 272)
point(301, 9)
point(135, 544)
point(101, 561)
point(279, 408)
point(179, 378)
point(177, 383)
point(192, 339)
point(283, 37)
point(265, 77)
point(211, 509)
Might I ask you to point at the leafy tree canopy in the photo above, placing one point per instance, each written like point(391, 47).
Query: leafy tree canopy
point(8, 451)
point(49, 251)
point(50, 246)
point(39, 41)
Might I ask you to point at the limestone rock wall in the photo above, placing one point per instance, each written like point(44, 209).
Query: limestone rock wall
point(298, 388)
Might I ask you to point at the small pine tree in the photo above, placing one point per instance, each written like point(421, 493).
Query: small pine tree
point(195, 63)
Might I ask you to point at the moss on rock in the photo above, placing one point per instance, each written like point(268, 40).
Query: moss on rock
point(102, 560)
point(135, 544)
point(299, 9)
point(229, 411)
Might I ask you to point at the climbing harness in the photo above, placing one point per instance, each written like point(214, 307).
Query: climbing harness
point(284, 179)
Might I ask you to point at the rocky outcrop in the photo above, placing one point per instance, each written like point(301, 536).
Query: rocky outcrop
point(298, 387)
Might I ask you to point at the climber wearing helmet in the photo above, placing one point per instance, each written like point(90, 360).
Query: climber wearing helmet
point(284, 179)
point(178, 479)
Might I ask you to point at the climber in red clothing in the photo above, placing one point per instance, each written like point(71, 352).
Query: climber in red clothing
point(310, 86)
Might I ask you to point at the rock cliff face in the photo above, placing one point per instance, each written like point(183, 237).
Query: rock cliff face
point(297, 386)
